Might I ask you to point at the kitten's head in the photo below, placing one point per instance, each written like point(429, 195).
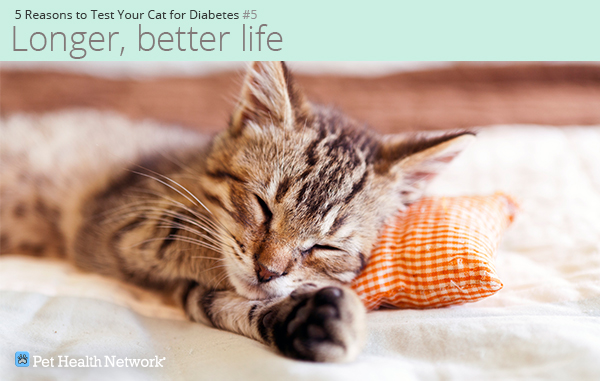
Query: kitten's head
point(303, 190)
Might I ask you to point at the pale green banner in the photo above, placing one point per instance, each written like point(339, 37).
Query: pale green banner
point(300, 30)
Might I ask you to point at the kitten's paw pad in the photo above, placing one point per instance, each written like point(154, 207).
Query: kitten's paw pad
point(326, 325)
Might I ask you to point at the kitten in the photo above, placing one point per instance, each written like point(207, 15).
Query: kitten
point(257, 231)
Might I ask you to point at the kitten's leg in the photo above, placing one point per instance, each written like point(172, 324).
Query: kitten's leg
point(316, 324)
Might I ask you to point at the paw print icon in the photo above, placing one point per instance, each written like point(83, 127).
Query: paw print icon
point(22, 359)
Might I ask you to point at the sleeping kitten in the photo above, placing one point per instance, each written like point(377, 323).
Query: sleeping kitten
point(257, 231)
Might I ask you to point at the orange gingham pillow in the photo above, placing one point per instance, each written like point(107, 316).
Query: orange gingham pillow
point(437, 253)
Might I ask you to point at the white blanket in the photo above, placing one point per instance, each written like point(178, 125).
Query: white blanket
point(544, 323)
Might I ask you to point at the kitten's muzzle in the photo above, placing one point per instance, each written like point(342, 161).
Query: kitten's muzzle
point(264, 274)
point(273, 259)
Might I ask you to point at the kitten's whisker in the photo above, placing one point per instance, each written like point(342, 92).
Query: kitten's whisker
point(170, 224)
point(178, 215)
point(121, 207)
point(197, 203)
point(213, 268)
point(215, 233)
point(193, 241)
point(181, 205)
point(181, 186)
point(202, 257)
point(161, 212)
point(193, 231)
point(213, 238)
point(201, 216)
point(178, 238)
point(225, 276)
point(165, 184)
point(177, 162)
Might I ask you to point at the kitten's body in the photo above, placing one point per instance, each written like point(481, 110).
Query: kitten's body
point(256, 231)
point(52, 163)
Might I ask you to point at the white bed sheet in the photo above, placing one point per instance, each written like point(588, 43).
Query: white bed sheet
point(544, 323)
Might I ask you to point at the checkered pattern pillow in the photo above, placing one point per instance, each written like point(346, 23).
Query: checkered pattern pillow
point(437, 253)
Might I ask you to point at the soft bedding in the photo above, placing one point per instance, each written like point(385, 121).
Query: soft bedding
point(544, 323)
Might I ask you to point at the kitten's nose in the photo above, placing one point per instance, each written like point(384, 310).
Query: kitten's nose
point(265, 275)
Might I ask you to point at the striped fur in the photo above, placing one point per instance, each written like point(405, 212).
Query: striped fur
point(256, 231)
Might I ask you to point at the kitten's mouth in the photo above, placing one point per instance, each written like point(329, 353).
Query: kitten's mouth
point(247, 285)
point(254, 290)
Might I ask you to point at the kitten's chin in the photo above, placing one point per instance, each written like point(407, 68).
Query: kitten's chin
point(255, 291)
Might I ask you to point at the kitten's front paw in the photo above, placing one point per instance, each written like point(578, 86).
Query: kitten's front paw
point(326, 325)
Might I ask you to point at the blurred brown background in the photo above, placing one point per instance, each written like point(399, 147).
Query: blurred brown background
point(452, 97)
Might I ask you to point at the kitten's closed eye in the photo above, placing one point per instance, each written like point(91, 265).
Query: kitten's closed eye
point(322, 248)
point(265, 208)
point(325, 247)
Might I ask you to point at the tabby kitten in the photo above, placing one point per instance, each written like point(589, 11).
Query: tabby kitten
point(257, 231)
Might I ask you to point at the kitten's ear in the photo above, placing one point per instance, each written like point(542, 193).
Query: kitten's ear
point(414, 162)
point(268, 97)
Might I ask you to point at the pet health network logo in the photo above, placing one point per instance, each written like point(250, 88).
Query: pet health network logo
point(22, 359)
